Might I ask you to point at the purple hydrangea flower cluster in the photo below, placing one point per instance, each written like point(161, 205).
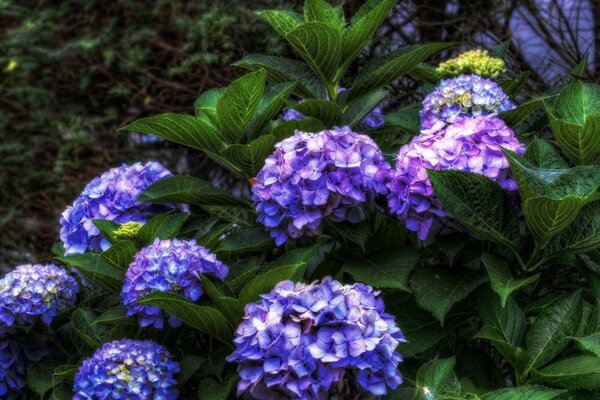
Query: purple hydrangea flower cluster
point(32, 292)
point(371, 121)
point(312, 176)
point(470, 143)
point(168, 266)
point(17, 355)
point(111, 196)
point(460, 96)
point(128, 370)
point(324, 340)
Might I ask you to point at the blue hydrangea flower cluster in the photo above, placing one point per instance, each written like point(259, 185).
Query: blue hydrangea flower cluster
point(111, 196)
point(35, 292)
point(318, 341)
point(468, 144)
point(17, 355)
point(127, 370)
point(371, 121)
point(313, 176)
point(461, 96)
point(168, 266)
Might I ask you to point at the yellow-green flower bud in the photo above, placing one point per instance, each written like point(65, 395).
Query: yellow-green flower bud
point(477, 62)
point(12, 65)
point(128, 230)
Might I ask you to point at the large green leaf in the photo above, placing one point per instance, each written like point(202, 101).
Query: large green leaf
point(388, 269)
point(322, 11)
point(325, 111)
point(386, 69)
point(521, 112)
point(478, 203)
point(115, 316)
point(581, 236)
point(504, 327)
point(363, 26)
point(266, 281)
point(270, 105)
point(93, 268)
point(589, 343)
point(527, 392)
point(120, 255)
point(362, 107)
point(320, 45)
point(548, 335)
point(282, 21)
point(541, 154)
point(406, 118)
point(283, 70)
point(246, 241)
point(250, 157)
point(501, 277)
point(577, 101)
point(512, 87)
point(580, 144)
point(236, 215)
point(576, 372)
point(438, 289)
point(183, 129)
point(82, 321)
point(435, 379)
point(229, 306)
point(205, 105)
point(206, 319)
point(188, 190)
point(164, 226)
point(239, 102)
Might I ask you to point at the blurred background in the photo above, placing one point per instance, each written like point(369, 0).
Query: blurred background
point(73, 71)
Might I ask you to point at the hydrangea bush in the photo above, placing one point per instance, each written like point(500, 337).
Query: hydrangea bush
point(469, 270)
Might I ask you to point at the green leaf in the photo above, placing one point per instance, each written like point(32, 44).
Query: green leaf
point(322, 11)
point(501, 278)
point(270, 105)
point(580, 144)
point(239, 102)
point(189, 366)
point(435, 379)
point(266, 281)
point(438, 289)
point(205, 106)
point(362, 107)
point(420, 329)
point(522, 111)
point(107, 229)
point(406, 118)
point(527, 392)
point(388, 269)
point(577, 101)
point(205, 319)
point(164, 226)
point(325, 111)
point(282, 21)
point(250, 157)
point(478, 203)
point(188, 190)
point(548, 335)
point(581, 236)
point(541, 154)
point(230, 307)
point(320, 45)
point(589, 343)
point(211, 389)
point(120, 255)
point(363, 26)
point(115, 316)
point(503, 326)
point(183, 129)
point(236, 215)
point(286, 129)
point(512, 87)
point(94, 335)
point(355, 233)
point(426, 73)
point(386, 69)
point(283, 70)
point(96, 270)
point(40, 379)
point(246, 241)
point(576, 372)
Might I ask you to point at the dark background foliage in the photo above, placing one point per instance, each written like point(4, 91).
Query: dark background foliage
point(73, 71)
